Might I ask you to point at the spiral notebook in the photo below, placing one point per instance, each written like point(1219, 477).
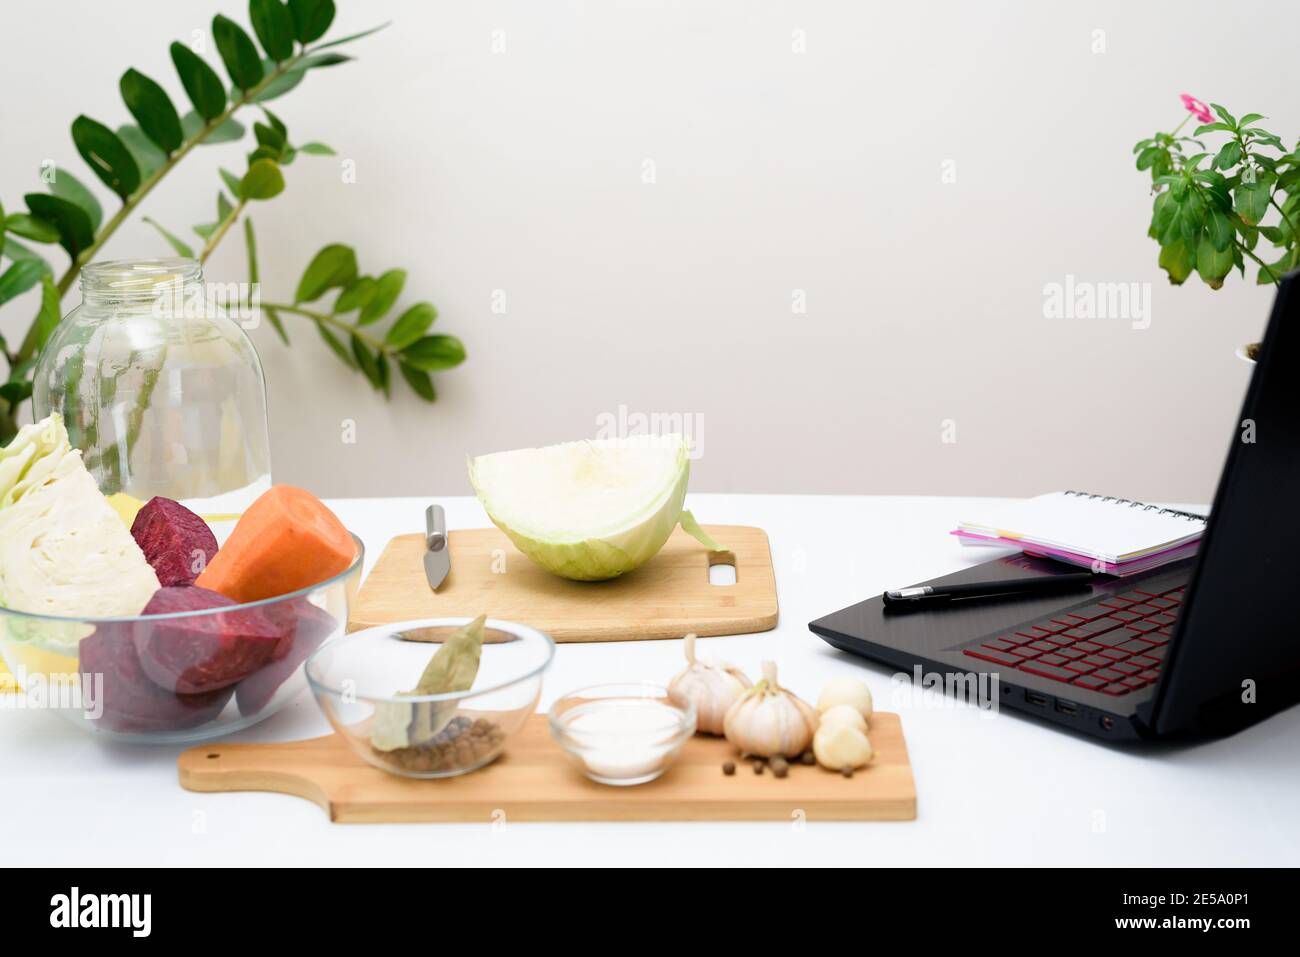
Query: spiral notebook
point(1116, 536)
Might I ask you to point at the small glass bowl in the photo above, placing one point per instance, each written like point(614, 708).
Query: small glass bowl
point(622, 734)
point(357, 682)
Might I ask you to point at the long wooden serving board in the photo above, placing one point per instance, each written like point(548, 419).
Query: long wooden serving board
point(664, 598)
point(536, 781)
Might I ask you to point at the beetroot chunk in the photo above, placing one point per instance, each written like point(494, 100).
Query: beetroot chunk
point(175, 541)
point(130, 700)
point(308, 626)
point(200, 653)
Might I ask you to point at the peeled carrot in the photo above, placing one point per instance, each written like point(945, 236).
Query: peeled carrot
point(286, 540)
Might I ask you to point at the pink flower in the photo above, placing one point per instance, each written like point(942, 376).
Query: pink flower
point(1197, 108)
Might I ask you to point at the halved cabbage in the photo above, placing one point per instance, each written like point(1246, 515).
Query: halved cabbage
point(589, 510)
point(63, 549)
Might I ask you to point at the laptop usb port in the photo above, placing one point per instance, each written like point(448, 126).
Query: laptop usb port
point(1038, 700)
point(1067, 707)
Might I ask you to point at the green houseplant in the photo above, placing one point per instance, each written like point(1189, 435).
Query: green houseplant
point(1213, 205)
point(133, 158)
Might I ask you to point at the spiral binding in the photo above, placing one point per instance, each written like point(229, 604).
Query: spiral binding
point(1190, 516)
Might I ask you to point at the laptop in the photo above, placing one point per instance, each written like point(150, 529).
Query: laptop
point(1203, 647)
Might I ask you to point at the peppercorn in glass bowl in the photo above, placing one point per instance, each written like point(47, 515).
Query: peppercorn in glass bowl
point(359, 683)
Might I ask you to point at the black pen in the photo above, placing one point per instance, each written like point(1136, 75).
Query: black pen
point(925, 595)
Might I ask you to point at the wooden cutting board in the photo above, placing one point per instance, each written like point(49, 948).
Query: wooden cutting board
point(664, 598)
point(536, 781)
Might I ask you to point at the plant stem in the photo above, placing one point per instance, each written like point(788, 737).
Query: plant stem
point(1263, 266)
point(131, 202)
point(1295, 236)
point(324, 317)
point(220, 232)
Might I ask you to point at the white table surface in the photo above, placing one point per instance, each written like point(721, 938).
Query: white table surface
point(992, 789)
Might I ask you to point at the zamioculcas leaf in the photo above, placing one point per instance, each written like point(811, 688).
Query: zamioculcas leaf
point(16, 391)
point(366, 362)
point(353, 36)
point(434, 352)
point(276, 122)
point(243, 62)
point(250, 244)
point(358, 294)
point(66, 186)
point(230, 130)
point(174, 241)
point(385, 374)
point(291, 77)
point(412, 324)
point(273, 25)
point(147, 155)
point(107, 155)
point(47, 317)
point(419, 380)
point(262, 181)
point(231, 180)
point(152, 109)
point(18, 278)
point(317, 149)
point(336, 347)
point(202, 85)
point(15, 250)
point(270, 137)
point(331, 268)
point(311, 18)
point(75, 231)
point(387, 289)
point(29, 227)
point(223, 207)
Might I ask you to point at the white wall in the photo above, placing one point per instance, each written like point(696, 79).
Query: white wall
point(776, 171)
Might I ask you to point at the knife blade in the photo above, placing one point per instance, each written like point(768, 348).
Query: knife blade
point(437, 549)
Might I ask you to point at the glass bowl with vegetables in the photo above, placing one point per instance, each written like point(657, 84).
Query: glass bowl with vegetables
point(127, 618)
point(431, 698)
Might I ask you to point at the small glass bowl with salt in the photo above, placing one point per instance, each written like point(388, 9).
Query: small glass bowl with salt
point(622, 734)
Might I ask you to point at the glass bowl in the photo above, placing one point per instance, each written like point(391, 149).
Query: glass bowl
point(181, 677)
point(622, 734)
point(358, 683)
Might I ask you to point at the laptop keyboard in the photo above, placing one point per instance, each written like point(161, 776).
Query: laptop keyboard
point(1115, 645)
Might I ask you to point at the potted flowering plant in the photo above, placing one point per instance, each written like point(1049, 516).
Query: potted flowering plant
point(1217, 206)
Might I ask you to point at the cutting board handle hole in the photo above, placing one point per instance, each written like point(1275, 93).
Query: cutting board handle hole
point(212, 757)
point(722, 568)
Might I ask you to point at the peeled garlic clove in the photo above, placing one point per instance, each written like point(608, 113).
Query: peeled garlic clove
point(845, 690)
point(768, 720)
point(712, 687)
point(843, 714)
point(840, 746)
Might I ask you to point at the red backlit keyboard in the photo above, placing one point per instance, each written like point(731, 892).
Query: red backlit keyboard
point(1115, 646)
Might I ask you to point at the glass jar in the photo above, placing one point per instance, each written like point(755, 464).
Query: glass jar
point(159, 388)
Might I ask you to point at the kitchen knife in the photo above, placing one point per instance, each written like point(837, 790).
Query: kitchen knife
point(437, 554)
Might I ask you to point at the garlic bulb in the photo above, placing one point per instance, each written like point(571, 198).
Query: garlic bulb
point(844, 714)
point(845, 690)
point(768, 720)
point(712, 686)
point(840, 746)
